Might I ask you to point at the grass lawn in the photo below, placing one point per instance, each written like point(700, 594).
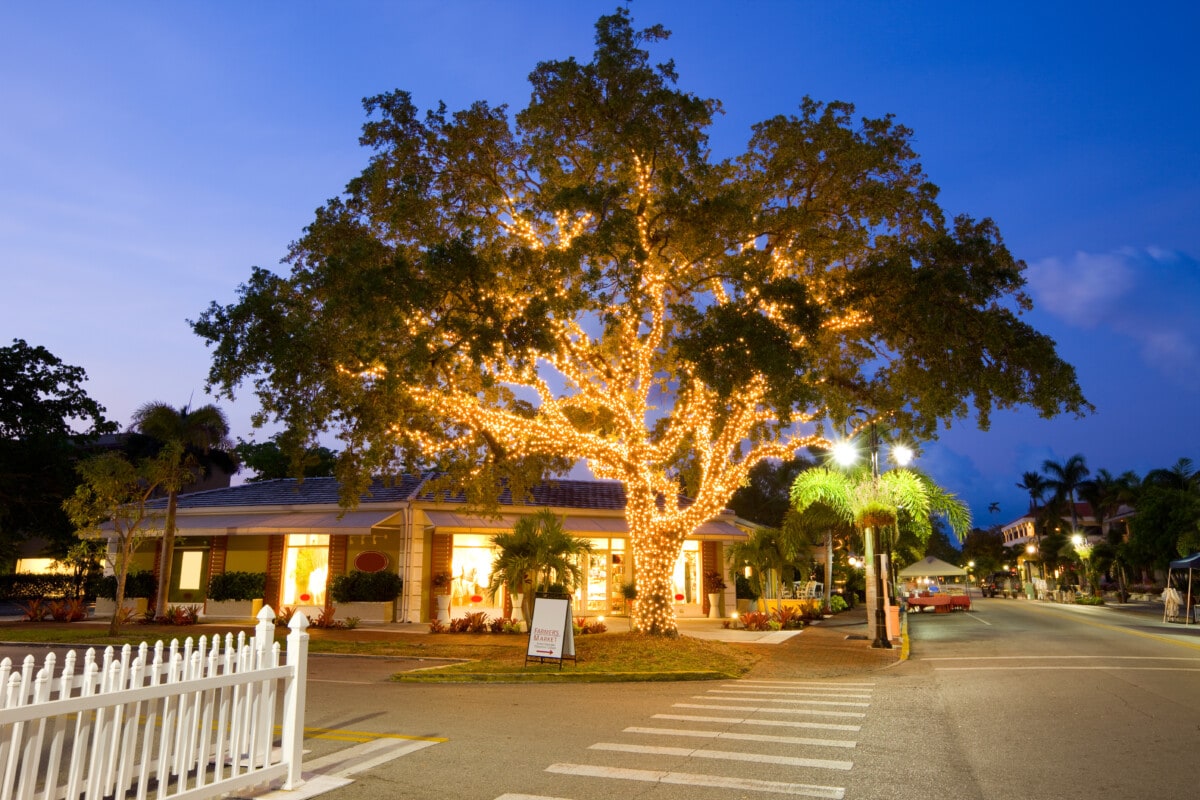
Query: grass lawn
point(477, 657)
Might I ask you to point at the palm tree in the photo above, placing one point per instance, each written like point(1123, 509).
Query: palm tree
point(1065, 479)
point(766, 552)
point(1181, 476)
point(201, 439)
point(537, 552)
point(897, 495)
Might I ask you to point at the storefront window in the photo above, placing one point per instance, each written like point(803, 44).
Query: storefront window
point(306, 569)
point(686, 578)
point(472, 568)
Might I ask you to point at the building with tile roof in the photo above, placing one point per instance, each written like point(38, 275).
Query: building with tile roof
point(297, 534)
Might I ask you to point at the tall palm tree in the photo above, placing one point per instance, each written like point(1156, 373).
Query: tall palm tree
point(1064, 479)
point(200, 437)
point(1035, 484)
point(538, 551)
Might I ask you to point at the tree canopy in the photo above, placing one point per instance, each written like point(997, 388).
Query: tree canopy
point(504, 294)
point(44, 413)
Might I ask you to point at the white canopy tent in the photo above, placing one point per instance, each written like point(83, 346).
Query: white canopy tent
point(930, 567)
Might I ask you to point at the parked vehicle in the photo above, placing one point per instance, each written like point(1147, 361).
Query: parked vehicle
point(1001, 584)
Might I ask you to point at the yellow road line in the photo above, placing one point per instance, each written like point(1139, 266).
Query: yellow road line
point(365, 736)
point(1154, 636)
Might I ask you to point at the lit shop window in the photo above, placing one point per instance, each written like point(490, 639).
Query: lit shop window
point(305, 569)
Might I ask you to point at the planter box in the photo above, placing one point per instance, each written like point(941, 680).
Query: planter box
point(233, 610)
point(366, 612)
point(106, 607)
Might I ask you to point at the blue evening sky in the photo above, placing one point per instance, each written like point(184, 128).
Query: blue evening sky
point(151, 153)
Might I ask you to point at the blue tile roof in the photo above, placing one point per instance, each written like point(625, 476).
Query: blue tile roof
point(289, 491)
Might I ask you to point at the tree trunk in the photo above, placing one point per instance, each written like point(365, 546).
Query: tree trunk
point(166, 557)
point(655, 554)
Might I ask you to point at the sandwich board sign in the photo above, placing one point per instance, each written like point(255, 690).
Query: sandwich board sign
point(551, 637)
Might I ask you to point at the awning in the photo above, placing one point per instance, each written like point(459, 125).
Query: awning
point(580, 526)
point(252, 524)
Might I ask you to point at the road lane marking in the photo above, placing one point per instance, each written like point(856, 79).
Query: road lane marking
point(751, 709)
point(1155, 636)
point(1055, 658)
point(773, 723)
point(845, 703)
point(363, 757)
point(742, 737)
point(365, 736)
point(511, 796)
point(1065, 668)
point(691, 779)
point(767, 693)
point(724, 755)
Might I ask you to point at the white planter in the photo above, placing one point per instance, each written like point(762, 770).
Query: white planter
point(714, 605)
point(245, 611)
point(443, 608)
point(366, 612)
point(106, 607)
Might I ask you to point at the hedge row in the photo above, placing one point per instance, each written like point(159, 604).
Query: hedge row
point(20, 587)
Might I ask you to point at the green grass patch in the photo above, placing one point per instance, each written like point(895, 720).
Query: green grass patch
point(604, 657)
point(480, 658)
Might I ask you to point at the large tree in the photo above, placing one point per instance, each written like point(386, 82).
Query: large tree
point(45, 415)
point(198, 438)
point(504, 295)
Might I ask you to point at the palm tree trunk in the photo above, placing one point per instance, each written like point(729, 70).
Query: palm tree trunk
point(166, 557)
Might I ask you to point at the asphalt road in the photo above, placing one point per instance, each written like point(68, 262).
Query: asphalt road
point(1014, 700)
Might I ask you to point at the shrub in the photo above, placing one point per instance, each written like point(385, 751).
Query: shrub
point(68, 610)
point(179, 615)
point(585, 625)
point(35, 609)
point(137, 584)
point(436, 627)
point(755, 621)
point(743, 588)
point(1088, 600)
point(237, 586)
point(357, 586)
point(23, 586)
point(787, 618)
point(837, 604)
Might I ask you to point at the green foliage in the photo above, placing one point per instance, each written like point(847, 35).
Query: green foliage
point(18, 587)
point(285, 456)
point(837, 604)
point(237, 586)
point(366, 587)
point(46, 417)
point(538, 554)
point(1166, 517)
point(137, 584)
point(744, 588)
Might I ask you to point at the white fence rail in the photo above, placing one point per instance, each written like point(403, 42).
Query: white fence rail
point(169, 723)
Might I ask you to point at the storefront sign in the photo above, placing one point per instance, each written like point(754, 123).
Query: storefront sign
point(551, 637)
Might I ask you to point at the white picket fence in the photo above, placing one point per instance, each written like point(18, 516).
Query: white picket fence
point(170, 723)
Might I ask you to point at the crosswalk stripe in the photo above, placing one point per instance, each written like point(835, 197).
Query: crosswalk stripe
point(691, 779)
point(723, 755)
point(511, 796)
point(774, 723)
point(742, 737)
point(846, 703)
point(765, 710)
point(809, 684)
